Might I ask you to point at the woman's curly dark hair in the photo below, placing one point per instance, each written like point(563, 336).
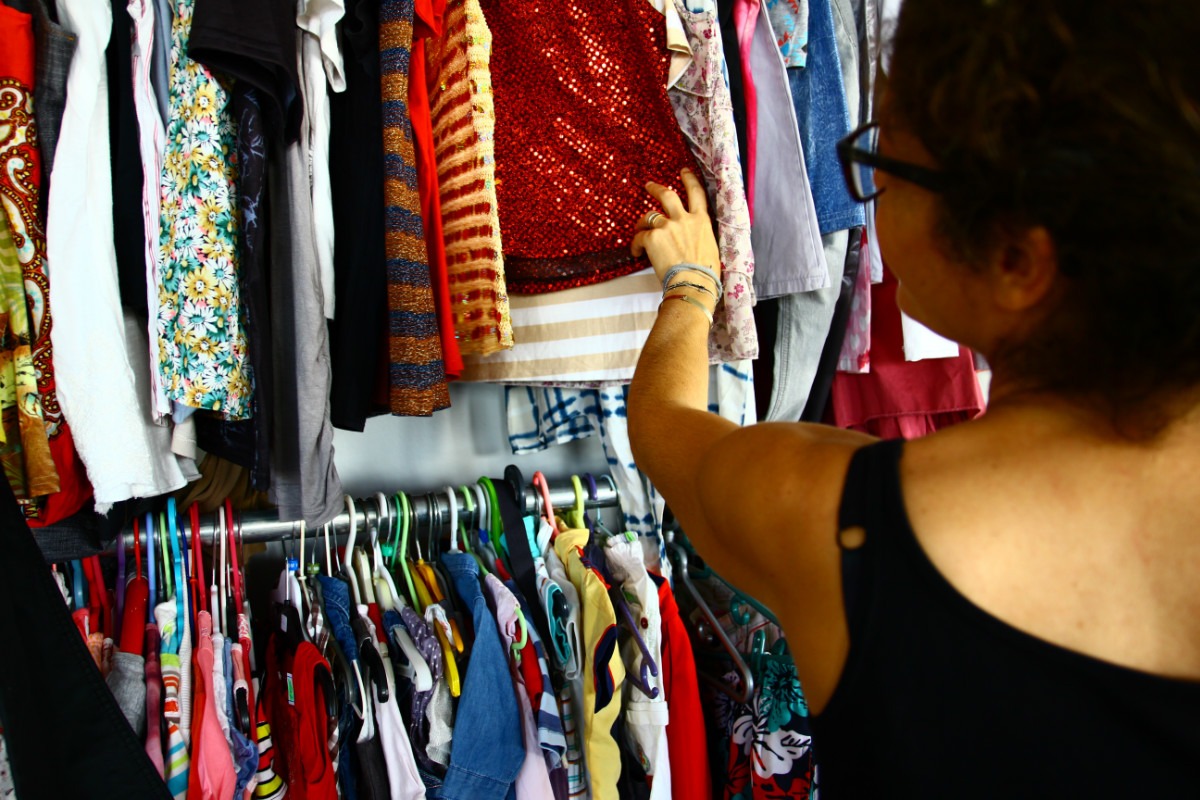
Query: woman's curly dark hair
point(1082, 116)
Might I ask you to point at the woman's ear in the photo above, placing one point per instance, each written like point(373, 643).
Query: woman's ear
point(1025, 271)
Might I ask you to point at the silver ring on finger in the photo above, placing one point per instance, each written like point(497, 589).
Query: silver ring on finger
point(652, 219)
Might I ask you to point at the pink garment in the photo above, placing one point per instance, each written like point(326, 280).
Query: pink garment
point(212, 762)
point(745, 19)
point(899, 398)
point(856, 346)
point(533, 781)
point(154, 688)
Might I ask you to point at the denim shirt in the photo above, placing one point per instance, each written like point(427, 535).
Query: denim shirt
point(488, 747)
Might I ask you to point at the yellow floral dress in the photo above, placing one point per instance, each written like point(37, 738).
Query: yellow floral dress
point(201, 338)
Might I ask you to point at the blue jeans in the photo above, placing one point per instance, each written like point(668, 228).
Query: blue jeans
point(822, 111)
point(488, 748)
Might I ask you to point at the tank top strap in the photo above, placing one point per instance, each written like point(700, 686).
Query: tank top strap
point(872, 486)
point(871, 499)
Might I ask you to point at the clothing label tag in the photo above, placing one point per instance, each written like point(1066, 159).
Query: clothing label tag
point(283, 622)
point(293, 564)
point(291, 691)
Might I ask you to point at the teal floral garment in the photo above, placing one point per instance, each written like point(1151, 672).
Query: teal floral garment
point(201, 338)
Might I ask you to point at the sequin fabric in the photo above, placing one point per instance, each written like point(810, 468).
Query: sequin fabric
point(582, 122)
point(201, 339)
point(704, 111)
point(416, 374)
point(464, 123)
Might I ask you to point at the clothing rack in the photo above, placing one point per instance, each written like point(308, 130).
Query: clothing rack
point(263, 526)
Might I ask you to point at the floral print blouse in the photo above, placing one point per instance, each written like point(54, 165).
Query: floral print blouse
point(201, 338)
point(704, 110)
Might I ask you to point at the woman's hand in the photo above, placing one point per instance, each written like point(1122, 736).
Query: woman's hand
point(678, 235)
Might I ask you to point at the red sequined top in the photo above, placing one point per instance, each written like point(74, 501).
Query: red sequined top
point(582, 122)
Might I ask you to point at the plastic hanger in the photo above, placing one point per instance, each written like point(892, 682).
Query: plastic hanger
point(746, 692)
point(198, 564)
point(438, 587)
point(166, 582)
point(452, 504)
point(404, 520)
point(119, 618)
point(195, 564)
point(598, 523)
point(151, 577)
point(223, 581)
point(417, 668)
point(495, 525)
point(347, 553)
point(547, 507)
point(137, 595)
point(625, 620)
point(181, 587)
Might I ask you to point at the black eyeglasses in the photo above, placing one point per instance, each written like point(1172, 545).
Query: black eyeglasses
point(859, 154)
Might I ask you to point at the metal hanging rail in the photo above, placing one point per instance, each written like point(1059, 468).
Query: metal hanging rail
point(264, 526)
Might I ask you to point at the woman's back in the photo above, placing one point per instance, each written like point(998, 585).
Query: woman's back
point(940, 697)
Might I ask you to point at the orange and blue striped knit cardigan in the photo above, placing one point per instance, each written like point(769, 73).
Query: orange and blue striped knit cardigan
point(416, 374)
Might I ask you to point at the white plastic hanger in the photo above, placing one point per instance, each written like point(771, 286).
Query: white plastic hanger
point(348, 552)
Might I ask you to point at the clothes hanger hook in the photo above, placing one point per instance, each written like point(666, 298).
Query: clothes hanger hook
point(452, 504)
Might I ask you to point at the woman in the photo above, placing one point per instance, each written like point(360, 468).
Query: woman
point(1008, 607)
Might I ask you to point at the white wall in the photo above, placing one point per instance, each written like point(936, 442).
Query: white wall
point(455, 446)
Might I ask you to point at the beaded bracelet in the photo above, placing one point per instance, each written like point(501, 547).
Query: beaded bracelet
point(703, 270)
point(693, 301)
point(697, 286)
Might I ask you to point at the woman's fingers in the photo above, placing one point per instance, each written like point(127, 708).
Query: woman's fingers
point(638, 246)
point(697, 198)
point(670, 201)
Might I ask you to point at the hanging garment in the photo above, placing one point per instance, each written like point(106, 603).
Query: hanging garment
point(805, 319)
point(464, 122)
point(201, 338)
point(128, 166)
point(304, 478)
point(404, 782)
point(533, 781)
point(567, 658)
point(744, 14)
point(152, 145)
point(154, 691)
point(321, 74)
point(420, 726)
point(269, 784)
point(21, 184)
point(590, 334)
point(604, 672)
point(687, 741)
point(898, 398)
point(255, 47)
point(24, 446)
point(299, 725)
point(788, 254)
point(125, 453)
point(704, 111)
point(789, 21)
point(55, 49)
point(582, 122)
point(823, 112)
point(356, 167)
point(488, 752)
point(855, 355)
point(427, 24)
point(417, 373)
point(646, 718)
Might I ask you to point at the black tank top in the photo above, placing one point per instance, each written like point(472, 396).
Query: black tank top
point(941, 699)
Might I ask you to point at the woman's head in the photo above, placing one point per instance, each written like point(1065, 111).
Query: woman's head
point(1079, 119)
